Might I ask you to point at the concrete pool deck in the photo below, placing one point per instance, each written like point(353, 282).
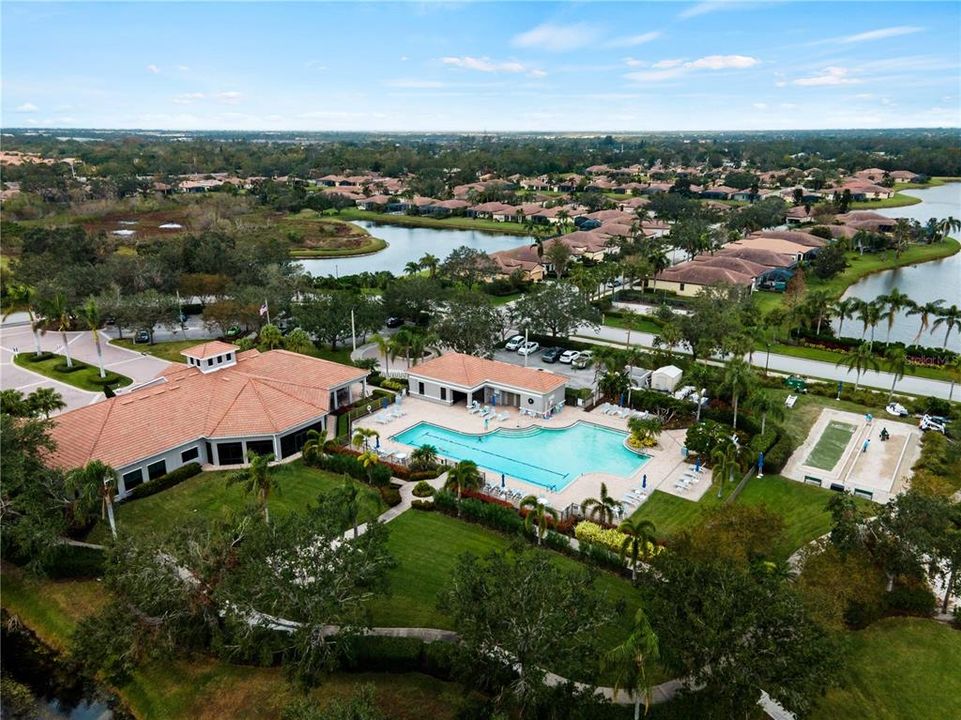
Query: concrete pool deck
point(665, 467)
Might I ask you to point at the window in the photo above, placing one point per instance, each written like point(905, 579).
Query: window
point(443, 393)
point(228, 356)
point(230, 453)
point(220, 359)
point(210, 362)
point(187, 455)
point(155, 470)
point(681, 287)
point(210, 453)
point(132, 479)
point(261, 447)
point(420, 388)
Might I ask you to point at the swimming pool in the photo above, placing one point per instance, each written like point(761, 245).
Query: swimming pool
point(549, 457)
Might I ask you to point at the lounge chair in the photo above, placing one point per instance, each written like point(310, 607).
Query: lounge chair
point(474, 408)
point(790, 400)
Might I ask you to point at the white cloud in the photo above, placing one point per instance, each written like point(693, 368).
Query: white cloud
point(703, 8)
point(881, 34)
point(187, 98)
point(27, 107)
point(487, 65)
point(231, 97)
point(672, 68)
point(829, 76)
point(760, 106)
point(633, 40)
point(153, 69)
point(413, 83)
point(183, 68)
point(634, 62)
point(557, 38)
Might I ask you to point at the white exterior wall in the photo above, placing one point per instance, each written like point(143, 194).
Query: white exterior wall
point(537, 402)
point(171, 457)
point(431, 390)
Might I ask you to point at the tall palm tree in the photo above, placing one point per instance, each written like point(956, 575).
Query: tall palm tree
point(869, 313)
point(725, 462)
point(369, 460)
point(901, 236)
point(949, 225)
point(46, 400)
point(951, 319)
point(298, 341)
point(57, 309)
point(95, 481)
point(537, 514)
point(383, 348)
point(896, 360)
point(954, 367)
point(350, 505)
point(271, 336)
point(893, 303)
point(463, 476)
point(23, 298)
point(631, 661)
point(738, 378)
point(313, 449)
point(926, 311)
point(424, 456)
point(430, 263)
point(818, 306)
point(767, 405)
point(845, 309)
point(257, 480)
point(362, 437)
point(604, 508)
point(412, 268)
point(860, 360)
point(658, 261)
point(421, 342)
point(641, 535)
point(538, 244)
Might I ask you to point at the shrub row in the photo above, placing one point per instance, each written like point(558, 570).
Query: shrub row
point(778, 454)
point(174, 477)
point(423, 489)
point(33, 357)
point(933, 355)
point(343, 462)
point(398, 654)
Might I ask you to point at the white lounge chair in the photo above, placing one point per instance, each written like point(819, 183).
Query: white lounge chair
point(790, 400)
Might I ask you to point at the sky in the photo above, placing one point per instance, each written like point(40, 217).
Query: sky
point(481, 66)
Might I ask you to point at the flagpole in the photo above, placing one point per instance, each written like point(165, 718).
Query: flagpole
point(353, 331)
point(268, 310)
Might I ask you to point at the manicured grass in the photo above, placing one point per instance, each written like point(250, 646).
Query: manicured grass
point(427, 545)
point(641, 324)
point(450, 223)
point(863, 265)
point(898, 669)
point(899, 200)
point(315, 237)
point(830, 446)
point(672, 514)
point(168, 350)
point(84, 377)
point(834, 356)
point(208, 495)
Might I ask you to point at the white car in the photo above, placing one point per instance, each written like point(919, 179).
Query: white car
point(528, 348)
point(515, 342)
point(569, 356)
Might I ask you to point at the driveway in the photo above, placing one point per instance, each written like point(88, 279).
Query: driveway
point(140, 368)
point(576, 378)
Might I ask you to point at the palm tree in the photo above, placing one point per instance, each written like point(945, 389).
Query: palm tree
point(645, 431)
point(631, 660)
point(430, 263)
point(313, 449)
point(424, 456)
point(539, 245)
point(926, 312)
point(94, 481)
point(362, 437)
point(860, 361)
point(845, 309)
point(725, 460)
point(869, 313)
point(819, 306)
point(738, 378)
point(896, 360)
point(537, 513)
point(603, 508)
point(954, 367)
point(951, 319)
point(412, 268)
point(24, 299)
point(298, 341)
point(766, 404)
point(383, 348)
point(257, 480)
point(57, 309)
point(271, 336)
point(949, 225)
point(639, 542)
point(349, 504)
point(658, 261)
point(894, 302)
point(463, 476)
point(46, 400)
point(421, 342)
point(369, 460)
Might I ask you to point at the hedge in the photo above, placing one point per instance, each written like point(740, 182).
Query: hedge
point(64, 368)
point(911, 600)
point(398, 654)
point(777, 456)
point(33, 357)
point(423, 489)
point(496, 517)
point(610, 538)
point(174, 477)
point(344, 463)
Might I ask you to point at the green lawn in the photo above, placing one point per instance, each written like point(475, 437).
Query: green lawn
point(450, 223)
point(834, 356)
point(641, 324)
point(209, 496)
point(313, 236)
point(862, 265)
point(830, 446)
point(898, 669)
point(899, 200)
point(84, 377)
point(672, 514)
point(168, 350)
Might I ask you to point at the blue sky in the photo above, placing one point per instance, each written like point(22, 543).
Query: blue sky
point(481, 66)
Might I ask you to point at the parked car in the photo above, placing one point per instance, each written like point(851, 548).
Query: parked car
point(928, 423)
point(394, 322)
point(552, 355)
point(514, 343)
point(142, 336)
point(584, 360)
point(798, 384)
point(569, 356)
point(233, 332)
point(528, 348)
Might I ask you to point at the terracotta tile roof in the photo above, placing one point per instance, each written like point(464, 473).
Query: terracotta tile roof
point(263, 394)
point(469, 371)
point(695, 273)
point(215, 347)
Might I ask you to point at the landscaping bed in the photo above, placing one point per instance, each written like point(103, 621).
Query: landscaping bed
point(81, 375)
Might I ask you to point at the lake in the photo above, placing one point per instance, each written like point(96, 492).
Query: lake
point(410, 244)
point(939, 279)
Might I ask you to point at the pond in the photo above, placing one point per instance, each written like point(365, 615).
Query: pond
point(410, 244)
point(938, 279)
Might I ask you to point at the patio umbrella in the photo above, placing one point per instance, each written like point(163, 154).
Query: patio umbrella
point(503, 480)
point(377, 441)
point(697, 464)
point(644, 481)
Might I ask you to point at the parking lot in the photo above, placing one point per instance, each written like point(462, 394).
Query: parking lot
point(577, 378)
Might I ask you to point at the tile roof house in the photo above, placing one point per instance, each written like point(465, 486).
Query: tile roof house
point(454, 378)
point(214, 410)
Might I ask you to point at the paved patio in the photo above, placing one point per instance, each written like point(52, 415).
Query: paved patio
point(664, 470)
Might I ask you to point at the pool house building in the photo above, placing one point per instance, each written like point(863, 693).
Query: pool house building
point(454, 378)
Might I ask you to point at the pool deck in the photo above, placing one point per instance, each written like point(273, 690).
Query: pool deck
point(664, 469)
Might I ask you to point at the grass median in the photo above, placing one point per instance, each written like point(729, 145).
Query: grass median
point(81, 375)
